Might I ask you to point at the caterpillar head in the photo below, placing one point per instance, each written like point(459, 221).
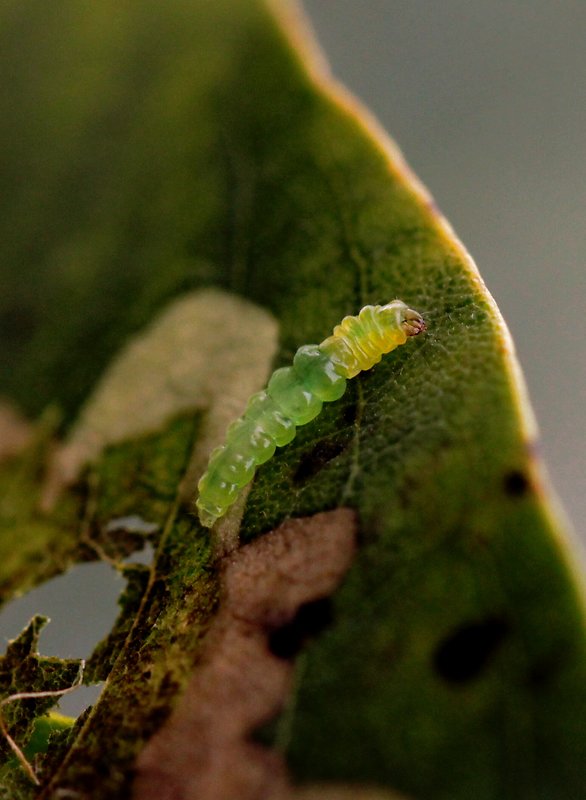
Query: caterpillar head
point(413, 323)
point(406, 318)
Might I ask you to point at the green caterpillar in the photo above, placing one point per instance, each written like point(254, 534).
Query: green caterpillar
point(295, 395)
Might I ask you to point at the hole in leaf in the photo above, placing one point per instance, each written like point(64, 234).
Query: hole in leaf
point(463, 655)
point(72, 705)
point(82, 605)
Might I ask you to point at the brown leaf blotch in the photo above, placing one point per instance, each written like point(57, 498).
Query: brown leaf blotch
point(204, 750)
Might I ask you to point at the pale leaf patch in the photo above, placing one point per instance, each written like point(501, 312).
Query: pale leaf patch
point(208, 350)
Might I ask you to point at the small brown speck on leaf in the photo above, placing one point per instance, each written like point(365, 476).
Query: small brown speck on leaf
point(205, 751)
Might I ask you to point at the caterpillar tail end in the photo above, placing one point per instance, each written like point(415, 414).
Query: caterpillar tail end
point(413, 323)
point(207, 518)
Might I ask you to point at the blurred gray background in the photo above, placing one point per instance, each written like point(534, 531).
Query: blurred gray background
point(487, 100)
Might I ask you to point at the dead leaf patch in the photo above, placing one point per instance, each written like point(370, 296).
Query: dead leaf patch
point(206, 350)
point(204, 750)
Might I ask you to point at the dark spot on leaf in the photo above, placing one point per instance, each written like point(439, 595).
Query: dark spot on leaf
point(316, 459)
point(311, 619)
point(515, 483)
point(267, 733)
point(463, 655)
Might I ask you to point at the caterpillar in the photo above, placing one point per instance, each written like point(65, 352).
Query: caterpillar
point(295, 395)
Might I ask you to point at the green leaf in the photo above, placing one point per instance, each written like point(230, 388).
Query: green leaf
point(152, 151)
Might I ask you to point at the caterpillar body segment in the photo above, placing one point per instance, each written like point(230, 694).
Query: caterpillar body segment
point(295, 395)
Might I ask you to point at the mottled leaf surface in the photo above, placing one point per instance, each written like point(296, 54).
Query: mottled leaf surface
point(154, 149)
